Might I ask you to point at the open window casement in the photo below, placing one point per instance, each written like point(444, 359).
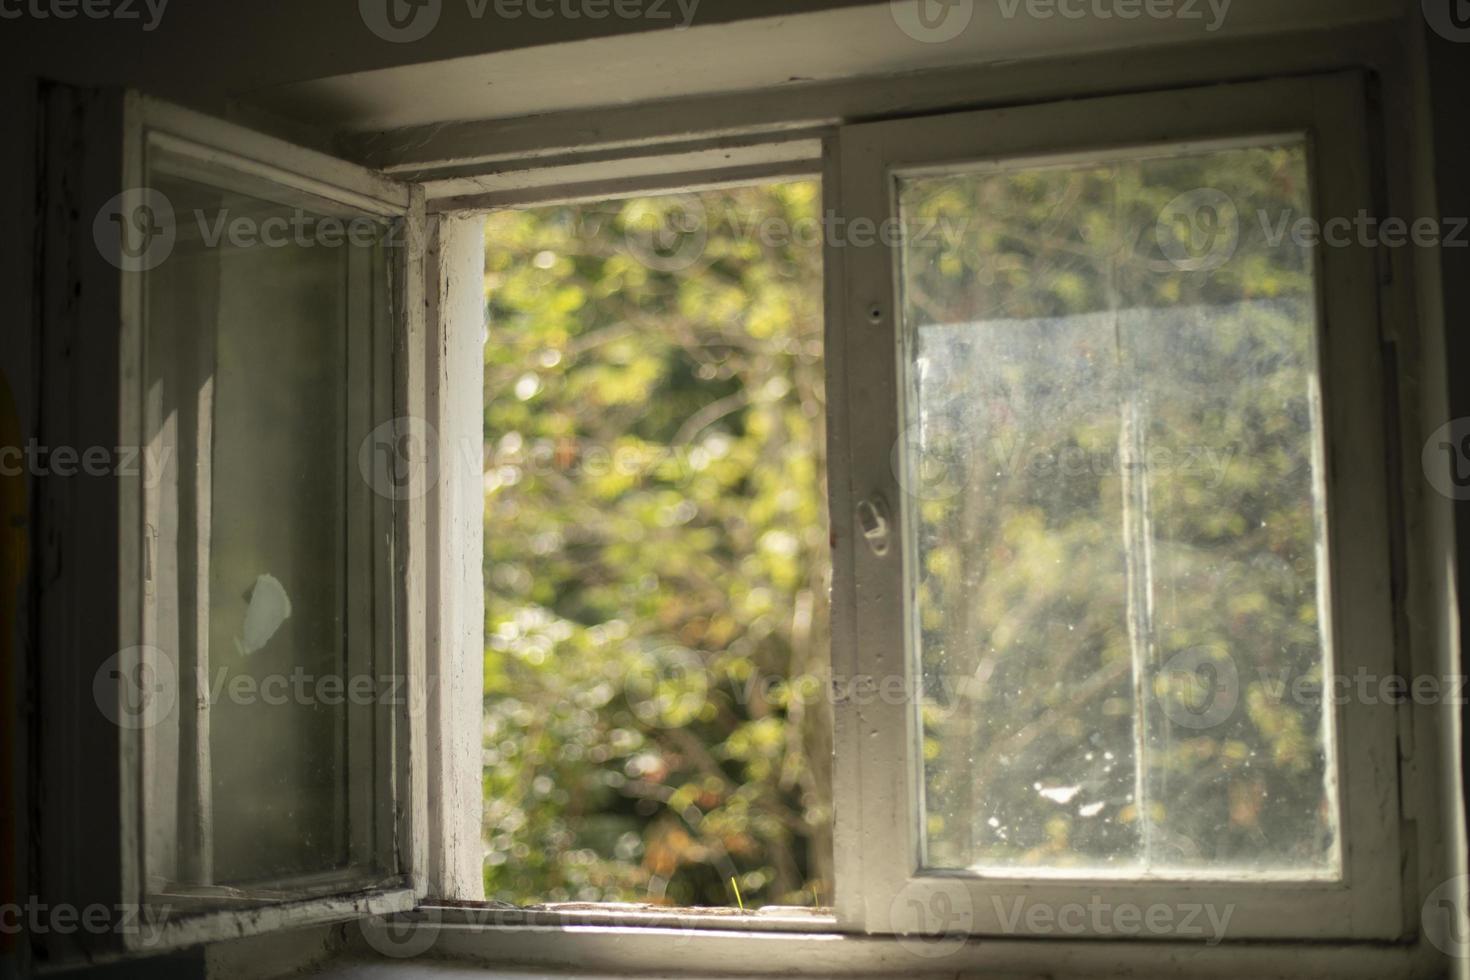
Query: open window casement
point(246, 711)
point(1120, 516)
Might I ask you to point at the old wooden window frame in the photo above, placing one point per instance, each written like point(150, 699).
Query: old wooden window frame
point(876, 849)
point(882, 781)
point(126, 127)
point(1355, 928)
point(434, 852)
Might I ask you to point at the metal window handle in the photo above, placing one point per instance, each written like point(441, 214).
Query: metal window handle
point(872, 517)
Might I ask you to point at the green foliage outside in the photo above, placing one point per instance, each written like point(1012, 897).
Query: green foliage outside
point(1118, 516)
point(1105, 632)
point(656, 556)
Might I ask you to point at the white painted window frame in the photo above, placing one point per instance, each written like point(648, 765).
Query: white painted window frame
point(874, 840)
point(881, 784)
point(399, 755)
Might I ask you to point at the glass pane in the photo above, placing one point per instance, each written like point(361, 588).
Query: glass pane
point(1113, 477)
point(263, 315)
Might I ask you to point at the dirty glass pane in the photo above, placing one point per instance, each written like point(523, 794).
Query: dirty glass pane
point(262, 309)
point(1113, 480)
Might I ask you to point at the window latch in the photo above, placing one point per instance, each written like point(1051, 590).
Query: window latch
point(872, 516)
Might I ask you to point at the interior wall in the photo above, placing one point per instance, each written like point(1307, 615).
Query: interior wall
point(17, 355)
point(203, 52)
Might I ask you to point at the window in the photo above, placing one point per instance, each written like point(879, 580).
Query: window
point(1103, 463)
point(256, 697)
point(1095, 620)
point(267, 574)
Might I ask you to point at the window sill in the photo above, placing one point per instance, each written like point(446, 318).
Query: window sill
point(631, 917)
point(449, 944)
